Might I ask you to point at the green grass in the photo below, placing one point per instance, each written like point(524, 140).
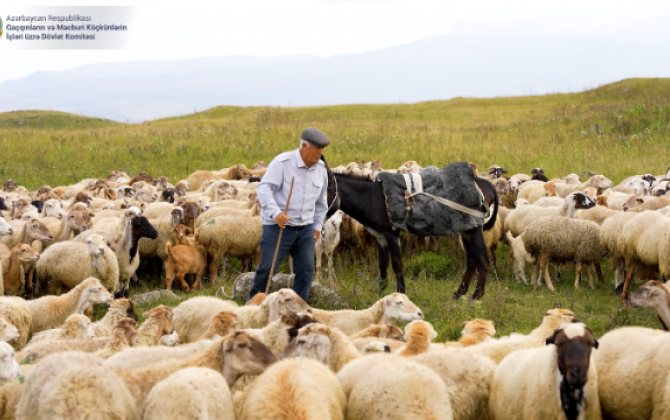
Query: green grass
point(619, 129)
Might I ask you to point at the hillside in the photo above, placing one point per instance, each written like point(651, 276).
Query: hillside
point(617, 129)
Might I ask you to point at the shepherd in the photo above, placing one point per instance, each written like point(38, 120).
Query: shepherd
point(298, 178)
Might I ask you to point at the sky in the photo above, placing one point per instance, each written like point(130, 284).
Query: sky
point(168, 29)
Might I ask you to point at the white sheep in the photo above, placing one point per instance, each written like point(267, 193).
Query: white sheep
point(645, 239)
point(634, 358)
point(192, 317)
point(275, 335)
point(522, 216)
point(598, 182)
point(326, 244)
point(70, 384)
point(534, 190)
point(564, 368)
point(520, 257)
point(9, 368)
point(559, 239)
point(15, 311)
point(5, 228)
point(597, 214)
point(65, 264)
point(609, 239)
point(653, 294)
point(395, 388)
point(638, 204)
point(8, 332)
point(293, 389)
point(498, 349)
point(395, 307)
point(142, 356)
point(468, 378)
point(320, 342)
point(223, 236)
point(75, 327)
point(190, 394)
point(158, 322)
point(25, 232)
point(119, 309)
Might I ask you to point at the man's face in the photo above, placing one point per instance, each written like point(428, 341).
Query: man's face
point(311, 153)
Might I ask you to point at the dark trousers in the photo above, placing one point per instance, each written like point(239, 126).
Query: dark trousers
point(298, 241)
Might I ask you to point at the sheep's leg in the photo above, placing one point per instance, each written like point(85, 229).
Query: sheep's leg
point(599, 271)
point(332, 278)
point(627, 279)
point(591, 270)
point(319, 267)
point(547, 277)
point(578, 273)
point(536, 274)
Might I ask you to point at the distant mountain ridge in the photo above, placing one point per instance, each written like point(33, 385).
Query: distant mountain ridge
point(440, 67)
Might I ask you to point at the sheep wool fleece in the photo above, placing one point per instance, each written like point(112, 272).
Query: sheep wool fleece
point(428, 217)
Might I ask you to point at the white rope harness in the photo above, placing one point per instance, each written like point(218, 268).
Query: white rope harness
point(414, 182)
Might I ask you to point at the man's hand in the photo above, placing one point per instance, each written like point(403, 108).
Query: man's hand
point(317, 235)
point(281, 219)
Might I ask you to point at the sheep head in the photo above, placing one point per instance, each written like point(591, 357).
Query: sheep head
point(9, 368)
point(244, 355)
point(398, 308)
point(128, 328)
point(282, 302)
point(8, 332)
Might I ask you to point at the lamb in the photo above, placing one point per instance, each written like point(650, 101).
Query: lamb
point(191, 393)
point(523, 380)
point(74, 384)
point(329, 240)
point(477, 331)
point(634, 358)
point(8, 332)
point(65, 264)
point(9, 368)
point(229, 208)
point(522, 216)
point(534, 191)
point(126, 336)
point(467, 377)
point(238, 237)
point(293, 389)
point(418, 335)
point(559, 239)
point(371, 386)
point(183, 260)
point(75, 327)
point(192, 317)
point(221, 325)
point(393, 308)
point(498, 349)
point(14, 276)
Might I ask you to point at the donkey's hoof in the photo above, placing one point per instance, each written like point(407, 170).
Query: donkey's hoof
point(456, 296)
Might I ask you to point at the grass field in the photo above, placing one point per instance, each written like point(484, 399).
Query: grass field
point(618, 130)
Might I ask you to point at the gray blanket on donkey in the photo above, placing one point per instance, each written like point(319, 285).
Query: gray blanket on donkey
point(455, 182)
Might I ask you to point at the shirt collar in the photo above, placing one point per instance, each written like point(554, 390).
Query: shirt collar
point(299, 161)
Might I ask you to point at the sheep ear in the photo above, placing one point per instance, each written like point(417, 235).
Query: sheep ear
point(552, 339)
point(595, 343)
point(463, 324)
point(639, 200)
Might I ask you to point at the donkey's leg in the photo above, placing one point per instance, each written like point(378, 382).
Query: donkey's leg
point(393, 241)
point(383, 261)
point(481, 254)
point(471, 265)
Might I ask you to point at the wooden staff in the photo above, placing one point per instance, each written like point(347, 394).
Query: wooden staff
point(274, 259)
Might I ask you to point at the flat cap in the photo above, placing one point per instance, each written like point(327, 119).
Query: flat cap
point(316, 137)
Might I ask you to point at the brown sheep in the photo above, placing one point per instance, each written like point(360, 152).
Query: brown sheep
point(184, 260)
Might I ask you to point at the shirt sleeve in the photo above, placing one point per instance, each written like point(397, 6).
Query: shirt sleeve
point(271, 182)
point(321, 205)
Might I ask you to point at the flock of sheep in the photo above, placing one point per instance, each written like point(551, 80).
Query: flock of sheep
point(277, 358)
